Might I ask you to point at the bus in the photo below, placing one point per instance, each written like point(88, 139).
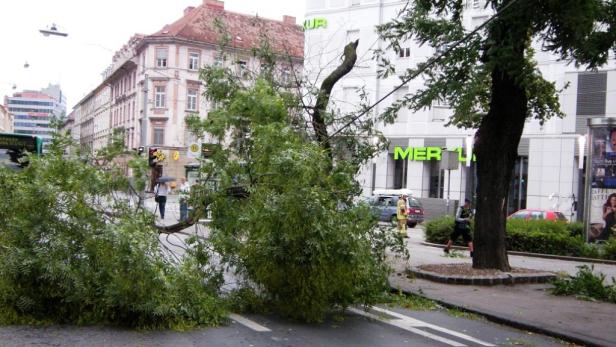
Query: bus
point(14, 147)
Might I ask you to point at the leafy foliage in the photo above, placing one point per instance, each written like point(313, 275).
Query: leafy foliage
point(587, 285)
point(297, 239)
point(73, 252)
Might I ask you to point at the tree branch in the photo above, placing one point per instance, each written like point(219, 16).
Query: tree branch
point(318, 121)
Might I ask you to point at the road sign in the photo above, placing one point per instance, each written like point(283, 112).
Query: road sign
point(194, 150)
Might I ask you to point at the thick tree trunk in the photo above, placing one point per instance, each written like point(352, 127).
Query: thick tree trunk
point(497, 146)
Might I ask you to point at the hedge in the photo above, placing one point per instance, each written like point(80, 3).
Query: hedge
point(534, 236)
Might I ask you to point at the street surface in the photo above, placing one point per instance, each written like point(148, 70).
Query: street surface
point(390, 327)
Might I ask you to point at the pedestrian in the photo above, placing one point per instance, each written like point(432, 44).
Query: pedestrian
point(161, 190)
point(184, 195)
point(462, 226)
point(401, 215)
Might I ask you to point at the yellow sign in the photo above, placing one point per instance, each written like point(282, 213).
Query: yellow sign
point(194, 147)
point(176, 155)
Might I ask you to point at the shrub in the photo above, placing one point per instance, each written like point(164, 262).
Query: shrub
point(534, 236)
point(586, 284)
point(545, 237)
point(439, 229)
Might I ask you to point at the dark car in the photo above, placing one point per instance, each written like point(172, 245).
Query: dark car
point(538, 214)
point(384, 206)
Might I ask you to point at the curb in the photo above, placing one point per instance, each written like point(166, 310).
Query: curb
point(536, 255)
point(508, 279)
point(506, 321)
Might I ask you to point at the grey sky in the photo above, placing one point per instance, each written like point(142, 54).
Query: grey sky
point(96, 30)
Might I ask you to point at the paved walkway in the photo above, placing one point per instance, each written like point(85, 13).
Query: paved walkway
point(525, 306)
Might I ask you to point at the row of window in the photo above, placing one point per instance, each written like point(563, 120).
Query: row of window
point(123, 85)
point(160, 98)
point(162, 59)
point(25, 117)
point(37, 110)
point(34, 132)
point(31, 103)
point(31, 125)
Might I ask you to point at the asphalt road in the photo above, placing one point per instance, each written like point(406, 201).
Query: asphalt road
point(388, 327)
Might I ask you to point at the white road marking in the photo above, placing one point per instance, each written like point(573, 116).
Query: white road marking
point(248, 323)
point(408, 323)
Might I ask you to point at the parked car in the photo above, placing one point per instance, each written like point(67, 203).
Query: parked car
point(384, 206)
point(538, 214)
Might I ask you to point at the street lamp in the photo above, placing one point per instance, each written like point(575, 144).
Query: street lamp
point(53, 30)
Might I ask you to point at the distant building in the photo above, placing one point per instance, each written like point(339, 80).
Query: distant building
point(33, 110)
point(6, 120)
point(164, 67)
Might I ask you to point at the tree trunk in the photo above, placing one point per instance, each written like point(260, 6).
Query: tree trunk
point(496, 147)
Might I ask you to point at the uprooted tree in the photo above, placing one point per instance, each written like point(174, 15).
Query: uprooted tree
point(493, 84)
point(295, 236)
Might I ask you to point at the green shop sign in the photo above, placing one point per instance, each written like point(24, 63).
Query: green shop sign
point(315, 23)
point(425, 153)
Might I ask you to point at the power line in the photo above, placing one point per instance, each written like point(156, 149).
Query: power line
point(426, 66)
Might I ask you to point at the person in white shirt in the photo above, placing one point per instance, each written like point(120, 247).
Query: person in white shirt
point(184, 195)
point(161, 190)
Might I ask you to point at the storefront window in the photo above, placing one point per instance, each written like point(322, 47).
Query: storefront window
point(517, 189)
point(437, 180)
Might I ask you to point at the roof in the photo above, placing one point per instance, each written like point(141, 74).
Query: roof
point(197, 24)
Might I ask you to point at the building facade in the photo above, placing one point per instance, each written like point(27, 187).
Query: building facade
point(546, 172)
point(34, 110)
point(153, 82)
point(6, 120)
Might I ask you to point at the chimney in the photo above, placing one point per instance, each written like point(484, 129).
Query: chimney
point(289, 20)
point(188, 9)
point(214, 4)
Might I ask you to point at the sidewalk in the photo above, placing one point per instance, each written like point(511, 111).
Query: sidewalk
point(529, 307)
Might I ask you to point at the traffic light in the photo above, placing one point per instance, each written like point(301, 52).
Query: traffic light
point(141, 150)
point(152, 156)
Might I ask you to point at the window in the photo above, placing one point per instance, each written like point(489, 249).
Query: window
point(352, 35)
point(191, 100)
point(161, 57)
point(218, 60)
point(242, 68)
point(160, 97)
point(159, 136)
point(437, 180)
point(193, 61)
point(476, 3)
point(404, 52)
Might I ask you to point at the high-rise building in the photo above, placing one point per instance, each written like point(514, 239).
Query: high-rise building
point(33, 110)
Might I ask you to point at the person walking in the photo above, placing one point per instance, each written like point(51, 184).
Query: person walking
point(401, 215)
point(462, 227)
point(184, 194)
point(161, 190)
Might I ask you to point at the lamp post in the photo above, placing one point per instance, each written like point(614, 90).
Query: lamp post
point(374, 141)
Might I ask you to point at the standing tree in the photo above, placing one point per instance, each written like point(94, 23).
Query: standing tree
point(491, 80)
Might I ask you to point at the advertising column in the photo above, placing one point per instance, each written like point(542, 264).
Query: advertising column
point(601, 177)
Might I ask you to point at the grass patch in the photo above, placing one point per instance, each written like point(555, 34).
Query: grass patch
point(586, 285)
point(416, 302)
point(454, 253)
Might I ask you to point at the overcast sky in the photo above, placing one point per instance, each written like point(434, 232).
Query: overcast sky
point(96, 30)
